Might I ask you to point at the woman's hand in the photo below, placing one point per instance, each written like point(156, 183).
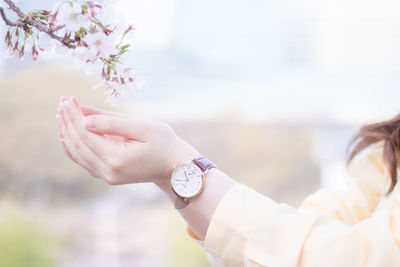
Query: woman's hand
point(118, 148)
point(121, 149)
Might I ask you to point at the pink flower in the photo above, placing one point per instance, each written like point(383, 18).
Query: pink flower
point(70, 15)
point(103, 45)
point(45, 42)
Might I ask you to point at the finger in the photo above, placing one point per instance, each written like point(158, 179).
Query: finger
point(89, 110)
point(67, 152)
point(95, 142)
point(69, 149)
point(63, 99)
point(132, 128)
point(65, 143)
point(86, 157)
point(61, 137)
point(59, 124)
point(115, 138)
point(62, 132)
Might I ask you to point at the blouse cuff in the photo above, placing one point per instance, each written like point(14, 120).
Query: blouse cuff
point(231, 222)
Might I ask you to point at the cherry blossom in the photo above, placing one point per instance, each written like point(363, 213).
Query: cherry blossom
point(92, 33)
point(101, 43)
point(86, 54)
point(70, 15)
point(44, 42)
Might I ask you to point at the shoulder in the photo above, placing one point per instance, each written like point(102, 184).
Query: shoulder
point(368, 168)
point(368, 181)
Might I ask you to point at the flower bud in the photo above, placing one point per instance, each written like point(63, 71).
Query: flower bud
point(52, 19)
point(103, 74)
point(93, 5)
point(130, 28)
point(22, 51)
point(16, 46)
point(34, 53)
point(7, 39)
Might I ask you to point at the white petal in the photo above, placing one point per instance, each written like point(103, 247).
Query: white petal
point(45, 42)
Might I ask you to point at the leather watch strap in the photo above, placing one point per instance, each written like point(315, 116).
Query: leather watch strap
point(180, 202)
point(204, 163)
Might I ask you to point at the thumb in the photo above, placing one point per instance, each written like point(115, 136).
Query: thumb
point(129, 127)
point(89, 110)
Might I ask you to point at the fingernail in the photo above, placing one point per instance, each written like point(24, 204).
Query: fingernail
point(58, 117)
point(62, 108)
point(65, 106)
point(89, 123)
point(74, 100)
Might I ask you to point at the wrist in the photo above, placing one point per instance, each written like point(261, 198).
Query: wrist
point(187, 153)
point(183, 153)
point(164, 186)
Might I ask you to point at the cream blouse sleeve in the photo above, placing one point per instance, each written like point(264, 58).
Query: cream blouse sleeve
point(329, 229)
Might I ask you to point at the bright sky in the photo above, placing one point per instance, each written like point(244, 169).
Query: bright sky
point(321, 59)
point(153, 19)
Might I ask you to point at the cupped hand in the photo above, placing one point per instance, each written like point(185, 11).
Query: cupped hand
point(119, 148)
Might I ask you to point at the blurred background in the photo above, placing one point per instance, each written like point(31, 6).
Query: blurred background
point(272, 91)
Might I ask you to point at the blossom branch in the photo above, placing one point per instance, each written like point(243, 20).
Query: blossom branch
point(89, 31)
point(25, 20)
point(9, 22)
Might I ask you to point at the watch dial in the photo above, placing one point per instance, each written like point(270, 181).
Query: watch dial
point(187, 180)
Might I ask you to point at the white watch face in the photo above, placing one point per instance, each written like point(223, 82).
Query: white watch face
point(187, 180)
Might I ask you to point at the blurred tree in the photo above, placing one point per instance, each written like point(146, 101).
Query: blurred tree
point(275, 159)
point(183, 251)
point(24, 243)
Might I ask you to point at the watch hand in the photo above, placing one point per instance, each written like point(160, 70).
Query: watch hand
point(186, 176)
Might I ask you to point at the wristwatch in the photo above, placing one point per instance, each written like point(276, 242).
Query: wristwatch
point(188, 179)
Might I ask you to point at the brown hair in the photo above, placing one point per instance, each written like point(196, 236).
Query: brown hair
point(389, 133)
